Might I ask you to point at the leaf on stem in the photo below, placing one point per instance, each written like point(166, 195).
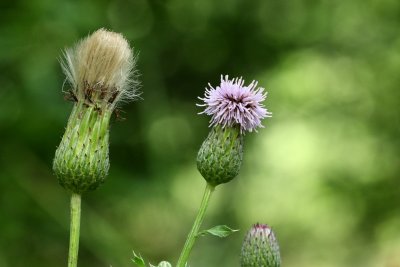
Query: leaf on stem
point(219, 230)
point(138, 260)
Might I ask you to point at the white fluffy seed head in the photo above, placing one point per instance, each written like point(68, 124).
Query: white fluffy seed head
point(101, 69)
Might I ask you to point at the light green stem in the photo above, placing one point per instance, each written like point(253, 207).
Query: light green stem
point(196, 226)
point(74, 230)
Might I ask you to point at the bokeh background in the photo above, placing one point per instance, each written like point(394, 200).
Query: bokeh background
point(324, 172)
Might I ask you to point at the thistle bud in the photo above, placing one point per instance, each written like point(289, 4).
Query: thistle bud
point(100, 72)
point(234, 109)
point(260, 248)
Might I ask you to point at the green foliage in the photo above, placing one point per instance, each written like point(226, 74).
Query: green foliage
point(219, 231)
point(139, 261)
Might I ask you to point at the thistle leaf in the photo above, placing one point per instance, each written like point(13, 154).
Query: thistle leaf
point(219, 230)
point(138, 260)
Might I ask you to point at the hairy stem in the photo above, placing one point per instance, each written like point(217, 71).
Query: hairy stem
point(196, 226)
point(74, 230)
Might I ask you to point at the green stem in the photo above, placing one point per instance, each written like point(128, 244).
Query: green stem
point(74, 230)
point(195, 228)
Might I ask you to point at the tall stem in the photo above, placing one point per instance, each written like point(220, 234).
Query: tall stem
point(74, 230)
point(196, 226)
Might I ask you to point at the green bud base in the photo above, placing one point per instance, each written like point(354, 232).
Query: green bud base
point(221, 154)
point(81, 161)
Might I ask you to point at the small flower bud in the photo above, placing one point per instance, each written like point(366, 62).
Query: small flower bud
point(220, 156)
point(260, 248)
point(99, 70)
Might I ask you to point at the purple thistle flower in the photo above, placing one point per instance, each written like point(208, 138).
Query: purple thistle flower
point(232, 103)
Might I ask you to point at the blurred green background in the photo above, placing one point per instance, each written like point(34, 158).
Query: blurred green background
point(324, 172)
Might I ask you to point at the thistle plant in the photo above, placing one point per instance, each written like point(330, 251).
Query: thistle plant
point(234, 109)
point(100, 72)
point(260, 248)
